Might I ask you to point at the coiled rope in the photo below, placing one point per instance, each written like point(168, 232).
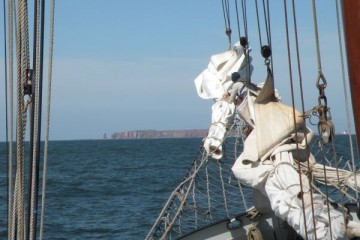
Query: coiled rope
point(254, 233)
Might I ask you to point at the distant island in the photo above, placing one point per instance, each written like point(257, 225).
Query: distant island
point(142, 134)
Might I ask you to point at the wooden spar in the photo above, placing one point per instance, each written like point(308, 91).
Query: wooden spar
point(351, 21)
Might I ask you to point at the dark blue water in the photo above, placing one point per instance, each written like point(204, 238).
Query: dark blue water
point(108, 189)
point(111, 189)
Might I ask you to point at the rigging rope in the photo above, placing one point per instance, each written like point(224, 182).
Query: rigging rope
point(208, 189)
point(267, 20)
point(346, 95)
point(22, 52)
point(48, 107)
point(265, 49)
point(28, 97)
point(11, 121)
point(194, 200)
point(9, 110)
point(292, 95)
point(226, 13)
point(5, 82)
point(325, 123)
point(316, 36)
point(268, 30)
point(244, 13)
point(184, 188)
point(223, 188)
point(237, 19)
point(258, 22)
point(6, 111)
point(34, 127)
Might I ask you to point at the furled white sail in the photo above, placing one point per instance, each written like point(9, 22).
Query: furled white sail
point(212, 83)
point(222, 112)
point(216, 78)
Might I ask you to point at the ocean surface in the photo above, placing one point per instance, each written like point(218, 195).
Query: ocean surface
point(112, 189)
point(107, 189)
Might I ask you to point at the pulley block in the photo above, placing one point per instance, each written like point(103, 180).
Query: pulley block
point(266, 51)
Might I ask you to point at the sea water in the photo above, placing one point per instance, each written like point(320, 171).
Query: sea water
point(107, 189)
point(111, 189)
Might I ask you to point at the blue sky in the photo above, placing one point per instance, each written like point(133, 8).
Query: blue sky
point(129, 65)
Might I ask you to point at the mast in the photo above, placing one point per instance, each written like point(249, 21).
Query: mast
point(351, 21)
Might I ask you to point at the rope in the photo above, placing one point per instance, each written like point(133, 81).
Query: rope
point(186, 180)
point(338, 177)
point(225, 7)
point(321, 88)
point(22, 52)
point(268, 30)
point(266, 13)
point(267, 20)
point(316, 36)
point(11, 119)
point(346, 94)
point(292, 90)
point(208, 189)
point(327, 198)
point(237, 19)
point(254, 233)
point(51, 48)
point(223, 189)
point(9, 175)
point(206, 182)
point(236, 154)
point(36, 99)
point(17, 223)
point(243, 3)
point(194, 200)
point(226, 13)
point(5, 74)
point(258, 22)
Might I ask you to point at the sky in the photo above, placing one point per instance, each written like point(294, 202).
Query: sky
point(130, 65)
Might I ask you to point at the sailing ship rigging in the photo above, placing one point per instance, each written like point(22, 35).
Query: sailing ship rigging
point(24, 87)
point(216, 199)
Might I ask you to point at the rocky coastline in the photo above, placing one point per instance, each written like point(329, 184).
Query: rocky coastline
point(143, 134)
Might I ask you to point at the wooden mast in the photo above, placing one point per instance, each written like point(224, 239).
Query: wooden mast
point(351, 21)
